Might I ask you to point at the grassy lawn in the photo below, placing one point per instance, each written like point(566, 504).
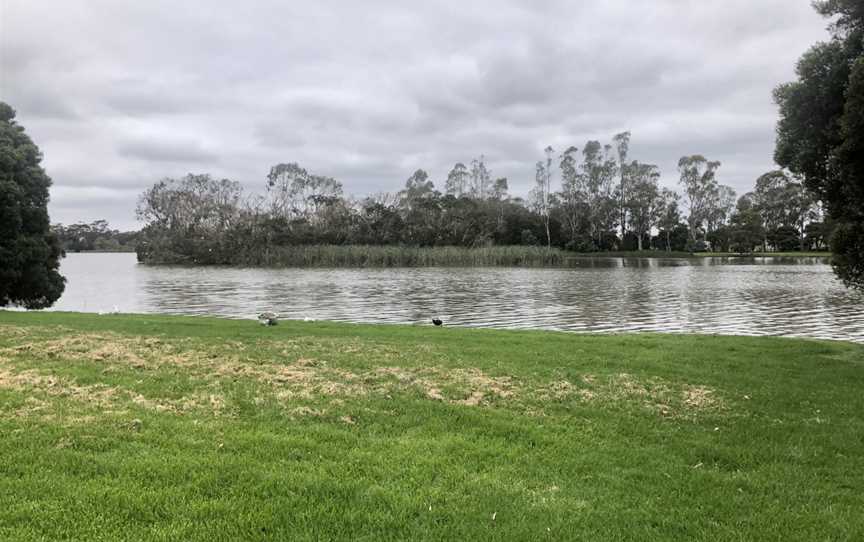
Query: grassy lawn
point(167, 428)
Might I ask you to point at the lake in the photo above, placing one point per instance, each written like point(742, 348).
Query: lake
point(761, 296)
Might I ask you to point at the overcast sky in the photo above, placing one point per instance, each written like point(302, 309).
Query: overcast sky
point(119, 94)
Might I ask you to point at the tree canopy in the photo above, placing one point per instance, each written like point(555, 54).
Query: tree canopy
point(820, 134)
point(606, 200)
point(29, 252)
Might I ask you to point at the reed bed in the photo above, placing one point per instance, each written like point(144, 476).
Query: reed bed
point(402, 256)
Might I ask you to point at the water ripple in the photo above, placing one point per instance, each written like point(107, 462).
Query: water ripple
point(796, 298)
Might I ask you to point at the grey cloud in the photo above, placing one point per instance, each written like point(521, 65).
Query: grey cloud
point(121, 93)
point(156, 150)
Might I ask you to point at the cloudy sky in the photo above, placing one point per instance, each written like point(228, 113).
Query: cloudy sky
point(119, 94)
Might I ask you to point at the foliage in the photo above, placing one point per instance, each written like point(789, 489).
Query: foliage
point(606, 202)
point(708, 202)
point(820, 134)
point(745, 230)
point(96, 236)
point(29, 252)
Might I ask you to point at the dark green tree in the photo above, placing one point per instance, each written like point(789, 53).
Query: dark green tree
point(745, 230)
point(820, 134)
point(29, 253)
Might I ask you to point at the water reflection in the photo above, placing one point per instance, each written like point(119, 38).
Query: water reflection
point(752, 296)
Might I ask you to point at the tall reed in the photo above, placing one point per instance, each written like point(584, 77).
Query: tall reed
point(402, 256)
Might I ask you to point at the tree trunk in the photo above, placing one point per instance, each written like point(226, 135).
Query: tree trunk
point(801, 237)
point(548, 236)
point(639, 242)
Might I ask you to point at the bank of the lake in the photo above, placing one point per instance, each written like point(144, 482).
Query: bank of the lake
point(166, 428)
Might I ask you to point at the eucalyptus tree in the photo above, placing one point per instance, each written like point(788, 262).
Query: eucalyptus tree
point(783, 201)
point(573, 206)
point(496, 202)
point(670, 215)
point(193, 216)
point(746, 229)
point(379, 221)
point(801, 209)
point(421, 207)
point(597, 178)
point(768, 200)
point(480, 179)
point(196, 203)
point(645, 204)
point(622, 148)
point(540, 197)
point(720, 207)
point(698, 179)
point(457, 183)
point(417, 187)
point(294, 192)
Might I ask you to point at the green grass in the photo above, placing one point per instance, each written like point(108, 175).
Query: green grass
point(180, 428)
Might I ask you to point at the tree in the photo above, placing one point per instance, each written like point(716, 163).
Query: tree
point(480, 179)
point(784, 238)
point(622, 146)
point(801, 209)
point(670, 216)
point(645, 204)
point(720, 207)
point(189, 219)
point(97, 235)
point(596, 178)
point(294, 192)
point(457, 181)
point(29, 253)
point(820, 133)
point(698, 177)
point(574, 207)
point(417, 187)
point(768, 200)
point(542, 191)
point(745, 228)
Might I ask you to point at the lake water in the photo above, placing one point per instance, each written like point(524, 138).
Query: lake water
point(763, 296)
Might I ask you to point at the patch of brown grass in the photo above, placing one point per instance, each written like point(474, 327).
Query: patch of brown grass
point(473, 387)
point(655, 394)
point(289, 370)
point(699, 397)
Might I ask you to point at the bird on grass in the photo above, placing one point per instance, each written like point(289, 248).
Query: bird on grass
point(268, 319)
point(437, 322)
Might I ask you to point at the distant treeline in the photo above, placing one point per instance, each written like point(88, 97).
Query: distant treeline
point(96, 236)
point(604, 202)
